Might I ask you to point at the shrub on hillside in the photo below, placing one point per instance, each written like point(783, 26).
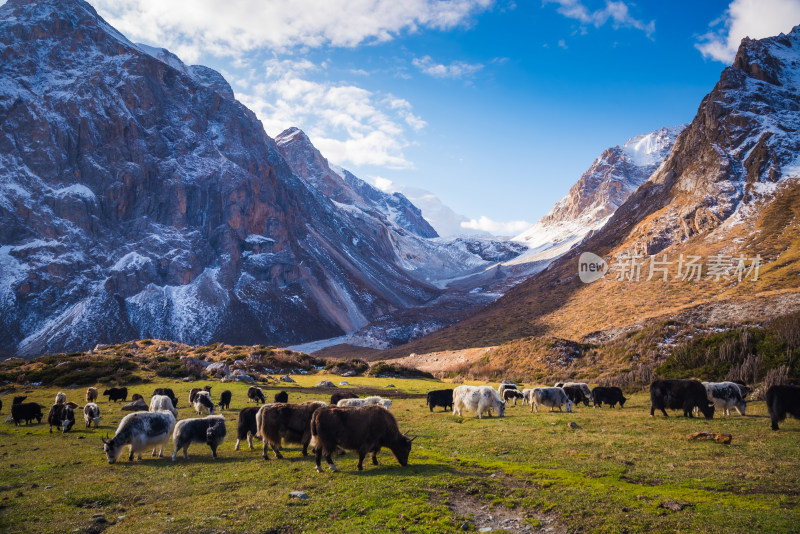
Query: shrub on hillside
point(68, 369)
point(729, 353)
point(394, 370)
point(353, 367)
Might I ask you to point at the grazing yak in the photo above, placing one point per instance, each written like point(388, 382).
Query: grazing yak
point(247, 426)
point(62, 416)
point(27, 411)
point(290, 422)
point(61, 398)
point(115, 394)
point(551, 397)
point(281, 397)
point(744, 388)
point(440, 397)
point(194, 391)
point(367, 401)
point(512, 394)
point(162, 403)
point(91, 414)
point(91, 394)
point(225, 400)
point(386, 403)
point(609, 395)
point(724, 396)
point(209, 430)
point(576, 395)
point(169, 393)
point(527, 395)
point(679, 395)
point(479, 399)
point(505, 386)
point(339, 395)
point(140, 431)
point(783, 400)
point(202, 402)
point(583, 385)
point(256, 394)
point(364, 430)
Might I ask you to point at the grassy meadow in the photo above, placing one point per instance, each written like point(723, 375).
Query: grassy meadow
point(619, 470)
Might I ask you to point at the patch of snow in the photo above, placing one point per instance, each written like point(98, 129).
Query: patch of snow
point(132, 261)
point(76, 190)
point(255, 239)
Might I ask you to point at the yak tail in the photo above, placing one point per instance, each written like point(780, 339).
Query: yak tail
point(313, 442)
point(258, 421)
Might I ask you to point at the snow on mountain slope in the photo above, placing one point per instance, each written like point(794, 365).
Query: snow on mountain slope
point(728, 188)
point(743, 141)
point(611, 179)
point(138, 198)
point(343, 187)
point(432, 261)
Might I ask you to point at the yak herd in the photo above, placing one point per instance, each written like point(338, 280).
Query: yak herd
point(691, 396)
point(364, 425)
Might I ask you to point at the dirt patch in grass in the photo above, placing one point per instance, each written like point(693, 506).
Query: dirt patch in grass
point(481, 515)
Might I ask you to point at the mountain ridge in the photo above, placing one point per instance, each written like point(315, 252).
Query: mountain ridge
point(140, 199)
point(729, 186)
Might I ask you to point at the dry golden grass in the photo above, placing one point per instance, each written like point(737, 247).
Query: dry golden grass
point(556, 304)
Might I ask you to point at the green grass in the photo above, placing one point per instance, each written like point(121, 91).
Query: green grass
point(609, 475)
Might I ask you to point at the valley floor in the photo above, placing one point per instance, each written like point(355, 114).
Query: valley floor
point(618, 470)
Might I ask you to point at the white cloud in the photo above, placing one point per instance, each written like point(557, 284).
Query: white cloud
point(616, 12)
point(384, 184)
point(444, 220)
point(348, 124)
point(193, 27)
point(748, 18)
point(458, 69)
point(496, 227)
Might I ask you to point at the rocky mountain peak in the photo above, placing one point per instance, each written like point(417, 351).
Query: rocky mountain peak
point(599, 192)
point(343, 187)
point(764, 59)
point(743, 140)
point(138, 198)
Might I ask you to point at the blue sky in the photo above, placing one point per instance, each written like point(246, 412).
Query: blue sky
point(497, 107)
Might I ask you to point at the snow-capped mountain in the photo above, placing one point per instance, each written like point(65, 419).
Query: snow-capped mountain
point(611, 179)
point(343, 187)
point(417, 248)
point(741, 145)
point(138, 198)
point(728, 188)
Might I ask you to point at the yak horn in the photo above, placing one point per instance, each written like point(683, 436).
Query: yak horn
point(415, 437)
point(104, 440)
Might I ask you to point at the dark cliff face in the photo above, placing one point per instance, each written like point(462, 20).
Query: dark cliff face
point(344, 187)
point(138, 198)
